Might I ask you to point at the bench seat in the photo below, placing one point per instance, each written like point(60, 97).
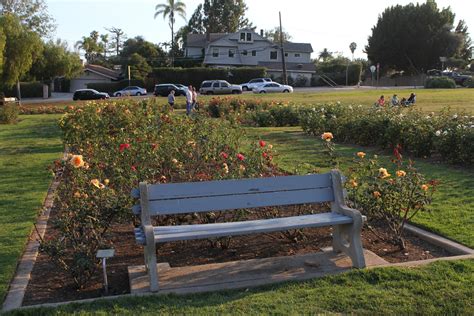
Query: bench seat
point(203, 231)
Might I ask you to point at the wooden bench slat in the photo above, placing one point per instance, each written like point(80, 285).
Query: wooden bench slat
point(186, 232)
point(235, 187)
point(231, 202)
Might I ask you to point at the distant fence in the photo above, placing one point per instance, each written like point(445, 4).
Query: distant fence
point(418, 80)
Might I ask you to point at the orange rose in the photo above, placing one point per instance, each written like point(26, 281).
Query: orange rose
point(361, 154)
point(401, 173)
point(425, 187)
point(377, 194)
point(327, 136)
point(77, 161)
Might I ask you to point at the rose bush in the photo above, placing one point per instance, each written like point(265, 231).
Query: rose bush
point(113, 146)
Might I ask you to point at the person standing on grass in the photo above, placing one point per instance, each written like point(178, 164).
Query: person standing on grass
point(195, 104)
point(171, 99)
point(189, 99)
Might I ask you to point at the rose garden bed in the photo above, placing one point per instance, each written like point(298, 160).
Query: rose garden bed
point(115, 145)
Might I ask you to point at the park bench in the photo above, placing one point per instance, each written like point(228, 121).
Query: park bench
point(179, 198)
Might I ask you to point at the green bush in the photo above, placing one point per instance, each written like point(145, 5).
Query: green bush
point(111, 87)
point(336, 71)
point(28, 90)
point(8, 112)
point(195, 76)
point(440, 83)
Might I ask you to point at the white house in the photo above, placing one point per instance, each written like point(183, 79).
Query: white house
point(94, 74)
point(247, 48)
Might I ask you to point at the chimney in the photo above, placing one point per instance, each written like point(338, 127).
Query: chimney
point(261, 32)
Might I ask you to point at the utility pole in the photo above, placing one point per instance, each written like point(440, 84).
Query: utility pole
point(285, 76)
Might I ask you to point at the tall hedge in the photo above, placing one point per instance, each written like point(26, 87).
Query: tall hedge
point(337, 72)
point(194, 76)
point(28, 90)
point(111, 87)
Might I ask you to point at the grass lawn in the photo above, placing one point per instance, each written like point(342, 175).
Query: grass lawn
point(427, 99)
point(452, 212)
point(26, 149)
point(437, 289)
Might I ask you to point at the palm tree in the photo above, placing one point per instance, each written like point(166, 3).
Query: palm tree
point(170, 9)
point(325, 55)
point(353, 47)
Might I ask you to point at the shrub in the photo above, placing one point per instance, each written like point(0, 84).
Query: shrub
point(393, 196)
point(28, 90)
point(116, 144)
point(9, 112)
point(469, 83)
point(440, 83)
point(195, 76)
point(111, 87)
point(301, 81)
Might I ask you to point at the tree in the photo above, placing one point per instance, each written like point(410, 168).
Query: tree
point(104, 41)
point(22, 47)
point(56, 60)
point(219, 16)
point(353, 47)
point(325, 55)
point(152, 53)
point(117, 39)
point(170, 9)
point(274, 35)
point(32, 13)
point(465, 52)
point(2, 47)
point(139, 68)
point(91, 46)
point(413, 37)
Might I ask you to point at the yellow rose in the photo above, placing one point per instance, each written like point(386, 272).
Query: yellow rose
point(377, 194)
point(383, 173)
point(97, 184)
point(270, 146)
point(225, 167)
point(77, 161)
point(361, 154)
point(425, 187)
point(353, 183)
point(327, 136)
point(401, 173)
point(106, 181)
point(77, 195)
point(175, 161)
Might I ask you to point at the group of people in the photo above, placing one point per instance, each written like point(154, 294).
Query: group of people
point(191, 99)
point(395, 102)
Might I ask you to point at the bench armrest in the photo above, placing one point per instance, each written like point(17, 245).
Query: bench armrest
point(149, 234)
point(353, 213)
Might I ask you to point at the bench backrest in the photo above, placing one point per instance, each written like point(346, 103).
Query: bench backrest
point(178, 198)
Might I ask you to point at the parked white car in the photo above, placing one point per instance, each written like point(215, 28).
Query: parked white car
point(249, 86)
point(273, 87)
point(129, 91)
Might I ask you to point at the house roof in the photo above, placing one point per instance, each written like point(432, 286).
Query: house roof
point(298, 47)
point(199, 40)
point(102, 71)
point(289, 66)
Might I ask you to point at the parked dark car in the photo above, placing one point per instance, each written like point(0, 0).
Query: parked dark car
point(457, 77)
point(89, 94)
point(165, 89)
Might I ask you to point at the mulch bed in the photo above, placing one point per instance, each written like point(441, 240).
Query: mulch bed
point(50, 284)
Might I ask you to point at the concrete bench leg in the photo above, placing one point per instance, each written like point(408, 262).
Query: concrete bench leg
point(150, 258)
point(346, 238)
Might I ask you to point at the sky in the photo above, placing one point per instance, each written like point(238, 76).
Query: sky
point(327, 24)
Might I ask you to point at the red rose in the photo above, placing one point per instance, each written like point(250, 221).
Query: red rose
point(123, 147)
point(265, 155)
point(262, 143)
point(240, 157)
point(224, 155)
point(133, 168)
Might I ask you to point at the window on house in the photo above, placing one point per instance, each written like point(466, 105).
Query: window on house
point(286, 54)
point(274, 55)
point(297, 55)
point(245, 53)
point(249, 37)
point(254, 53)
point(231, 53)
point(215, 52)
point(242, 37)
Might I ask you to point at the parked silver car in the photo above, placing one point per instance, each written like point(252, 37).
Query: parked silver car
point(272, 87)
point(219, 87)
point(129, 91)
point(249, 86)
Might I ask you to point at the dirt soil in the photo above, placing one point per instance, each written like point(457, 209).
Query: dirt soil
point(50, 284)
